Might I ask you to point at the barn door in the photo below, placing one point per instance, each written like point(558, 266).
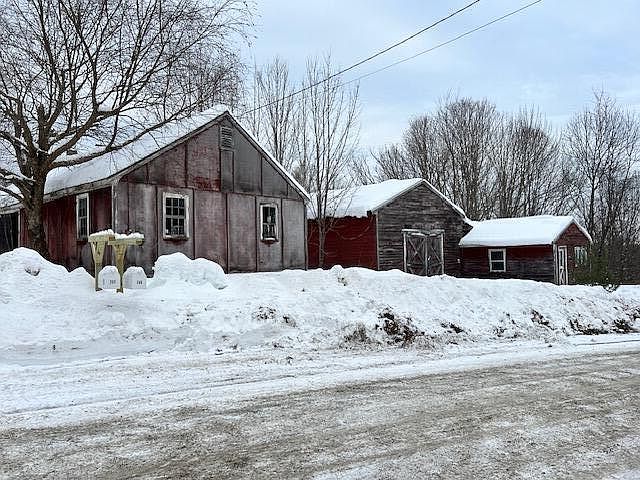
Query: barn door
point(563, 276)
point(423, 252)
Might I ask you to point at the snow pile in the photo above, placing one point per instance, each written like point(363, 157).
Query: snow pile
point(178, 266)
point(24, 268)
point(512, 232)
point(55, 315)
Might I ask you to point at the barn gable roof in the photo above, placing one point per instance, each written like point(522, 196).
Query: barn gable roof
point(109, 167)
point(512, 232)
point(359, 201)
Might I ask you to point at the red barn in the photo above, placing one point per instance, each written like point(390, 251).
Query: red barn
point(203, 187)
point(403, 224)
point(546, 248)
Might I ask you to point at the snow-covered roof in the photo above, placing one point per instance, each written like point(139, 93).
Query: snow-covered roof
point(358, 201)
point(511, 232)
point(112, 164)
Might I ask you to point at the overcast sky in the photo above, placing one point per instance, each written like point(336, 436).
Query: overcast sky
point(551, 55)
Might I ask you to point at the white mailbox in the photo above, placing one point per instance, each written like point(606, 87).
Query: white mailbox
point(135, 278)
point(109, 278)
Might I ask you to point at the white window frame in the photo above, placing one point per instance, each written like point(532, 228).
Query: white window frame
point(584, 254)
point(277, 230)
point(504, 260)
point(166, 195)
point(82, 196)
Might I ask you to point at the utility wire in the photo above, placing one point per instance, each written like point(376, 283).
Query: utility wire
point(435, 47)
point(369, 58)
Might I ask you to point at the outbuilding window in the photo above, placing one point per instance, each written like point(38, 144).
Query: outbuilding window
point(176, 215)
point(82, 216)
point(497, 260)
point(269, 221)
point(580, 256)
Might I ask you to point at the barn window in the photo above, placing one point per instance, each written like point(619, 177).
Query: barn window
point(82, 216)
point(580, 256)
point(176, 215)
point(269, 221)
point(497, 260)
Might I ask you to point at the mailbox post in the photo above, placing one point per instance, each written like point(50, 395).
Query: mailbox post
point(98, 243)
point(119, 243)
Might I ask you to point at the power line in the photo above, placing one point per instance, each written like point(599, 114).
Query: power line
point(435, 47)
point(369, 58)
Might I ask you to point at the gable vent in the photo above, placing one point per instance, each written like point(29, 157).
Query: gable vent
point(226, 138)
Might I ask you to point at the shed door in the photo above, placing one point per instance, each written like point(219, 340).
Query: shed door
point(423, 252)
point(563, 276)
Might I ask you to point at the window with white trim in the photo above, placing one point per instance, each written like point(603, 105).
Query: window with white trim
point(580, 256)
point(176, 215)
point(82, 216)
point(269, 221)
point(497, 260)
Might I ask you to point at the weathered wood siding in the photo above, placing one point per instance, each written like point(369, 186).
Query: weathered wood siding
point(532, 262)
point(225, 189)
point(419, 208)
point(351, 242)
point(8, 231)
point(60, 228)
point(572, 237)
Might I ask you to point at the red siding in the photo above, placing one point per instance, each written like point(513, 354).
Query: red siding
point(60, 227)
point(533, 262)
point(351, 242)
point(572, 237)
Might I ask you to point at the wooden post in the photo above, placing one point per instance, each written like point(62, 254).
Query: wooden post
point(98, 244)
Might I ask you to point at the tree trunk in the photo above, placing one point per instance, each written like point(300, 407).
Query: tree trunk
point(36, 238)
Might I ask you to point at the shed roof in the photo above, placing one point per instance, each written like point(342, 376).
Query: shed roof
point(511, 232)
point(358, 201)
point(111, 165)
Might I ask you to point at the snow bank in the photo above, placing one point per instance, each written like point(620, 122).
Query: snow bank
point(56, 316)
point(178, 266)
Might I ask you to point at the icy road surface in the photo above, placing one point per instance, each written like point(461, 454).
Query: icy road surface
point(571, 414)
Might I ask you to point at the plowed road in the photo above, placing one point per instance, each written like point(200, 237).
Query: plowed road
point(575, 418)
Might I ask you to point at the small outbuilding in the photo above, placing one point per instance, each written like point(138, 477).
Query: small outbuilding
point(403, 224)
point(546, 248)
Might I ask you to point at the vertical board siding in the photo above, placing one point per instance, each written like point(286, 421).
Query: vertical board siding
point(294, 243)
point(203, 160)
point(419, 208)
point(247, 166)
point(142, 218)
point(169, 168)
point(210, 226)
point(242, 232)
point(273, 183)
point(350, 242)
point(534, 262)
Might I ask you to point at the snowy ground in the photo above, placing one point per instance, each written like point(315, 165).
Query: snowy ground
point(51, 316)
point(303, 375)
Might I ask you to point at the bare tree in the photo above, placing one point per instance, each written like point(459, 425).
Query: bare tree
point(272, 117)
point(530, 175)
point(326, 141)
point(603, 142)
point(79, 79)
